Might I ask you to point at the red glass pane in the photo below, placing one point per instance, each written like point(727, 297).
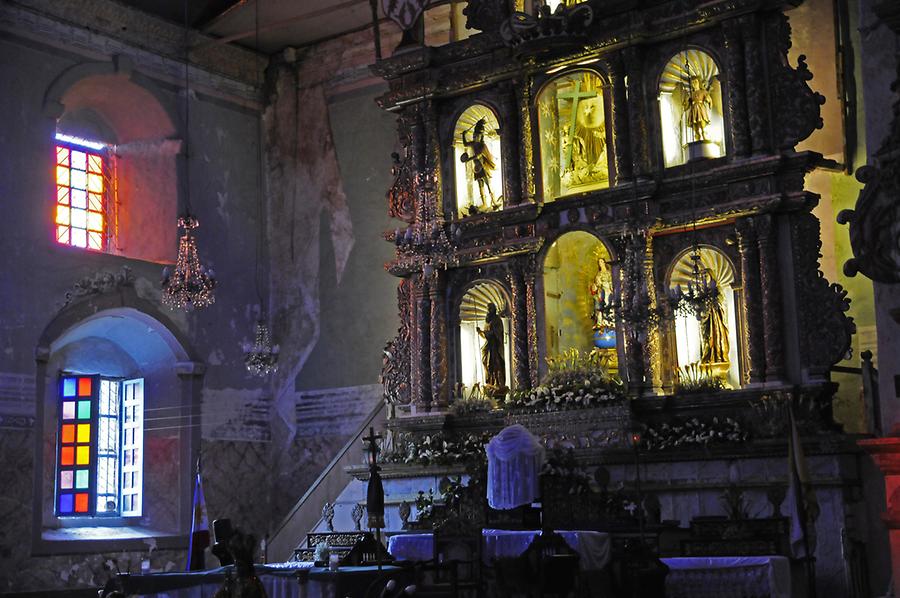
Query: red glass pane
point(84, 387)
point(67, 455)
point(81, 502)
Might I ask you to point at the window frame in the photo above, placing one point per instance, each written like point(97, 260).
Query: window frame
point(107, 168)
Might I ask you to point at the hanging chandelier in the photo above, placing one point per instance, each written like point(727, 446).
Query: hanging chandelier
point(701, 293)
point(261, 358)
point(191, 285)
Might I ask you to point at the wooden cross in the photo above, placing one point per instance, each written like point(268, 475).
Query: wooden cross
point(576, 96)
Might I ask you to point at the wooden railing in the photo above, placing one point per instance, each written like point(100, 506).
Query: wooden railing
point(307, 513)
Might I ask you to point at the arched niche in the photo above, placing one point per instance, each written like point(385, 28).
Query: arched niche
point(121, 337)
point(708, 346)
point(478, 174)
point(110, 104)
point(577, 280)
point(690, 108)
point(575, 141)
point(480, 338)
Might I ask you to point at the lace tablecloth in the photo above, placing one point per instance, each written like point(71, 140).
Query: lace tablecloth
point(592, 547)
point(728, 577)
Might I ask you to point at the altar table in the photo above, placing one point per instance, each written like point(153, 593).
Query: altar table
point(592, 547)
point(279, 580)
point(728, 577)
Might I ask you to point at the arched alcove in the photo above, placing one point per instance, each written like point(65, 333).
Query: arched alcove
point(141, 365)
point(480, 340)
point(132, 133)
point(478, 171)
point(577, 281)
point(707, 344)
point(690, 108)
point(574, 138)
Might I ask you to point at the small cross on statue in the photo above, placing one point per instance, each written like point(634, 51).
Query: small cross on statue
point(576, 96)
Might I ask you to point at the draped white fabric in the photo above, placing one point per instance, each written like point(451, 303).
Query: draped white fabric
point(713, 577)
point(515, 459)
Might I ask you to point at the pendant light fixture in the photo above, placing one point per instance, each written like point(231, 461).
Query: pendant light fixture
point(191, 286)
point(261, 358)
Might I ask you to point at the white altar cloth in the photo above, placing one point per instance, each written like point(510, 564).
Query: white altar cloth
point(728, 577)
point(592, 547)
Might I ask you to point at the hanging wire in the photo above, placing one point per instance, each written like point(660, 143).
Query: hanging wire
point(259, 178)
point(187, 112)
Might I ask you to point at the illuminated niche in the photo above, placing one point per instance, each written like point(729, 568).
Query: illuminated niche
point(476, 149)
point(474, 310)
point(577, 282)
point(708, 347)
point(690, 108)
point(574, 138)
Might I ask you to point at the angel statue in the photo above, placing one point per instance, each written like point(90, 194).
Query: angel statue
point(483, 165)
point(697, 104)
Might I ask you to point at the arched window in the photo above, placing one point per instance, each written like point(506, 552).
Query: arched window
point(577, 283)
point(707, 342)
point(690, 108)
point(574, 138)
point(484, 337)
point(476, 145)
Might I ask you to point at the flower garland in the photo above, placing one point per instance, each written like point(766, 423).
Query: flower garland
point(437, 449)
point(694, 432)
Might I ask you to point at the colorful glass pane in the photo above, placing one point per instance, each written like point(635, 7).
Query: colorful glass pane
point(62, 175)
point(68, 434)
point(79, 179)
point(95, 221)
point(83, 455)
point(65, 503)
point(67, 455)
point(66, 479)
point(68, 387)
point(68, 410)
point(84, 410)
point(79, 218)
point(79, 198)
point(95, 202)
point(84, 432)
point(62, 215)
point(81, 479)
point(95, 240)
point(95, 183)
point(62, 234)
point(78, 171)
point(79, 238)
point(84, 388)
point(62, 155)
point(81, 502)
point(62, 195)
point(95, 163)
point(79, 160)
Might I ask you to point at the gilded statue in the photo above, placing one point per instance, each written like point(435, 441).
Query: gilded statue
point(697, 104)
point(492, 351)
point(714, 332)
point(483, 165)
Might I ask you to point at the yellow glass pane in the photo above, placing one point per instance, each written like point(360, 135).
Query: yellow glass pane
point(95, 202)
point(62, 176)
point(79, 179)
point(79, 237)
point(62, 155)
point(95, 221)
point(95, 240)
point(62, 215)
point(95, 183)
point(79, 218)
point(84, 433)
point(95, 163)
point(62, 234)
point(79, 160)
point(62, 195)
point(82, 455)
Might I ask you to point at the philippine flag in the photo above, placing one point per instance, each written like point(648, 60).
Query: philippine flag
point(199, 529)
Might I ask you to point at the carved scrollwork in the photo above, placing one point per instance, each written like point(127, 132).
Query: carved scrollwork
point(395, 370)
point(799, 107)
point(401, 196)
point(565, 27)
point(99, 283)
point(485, 15)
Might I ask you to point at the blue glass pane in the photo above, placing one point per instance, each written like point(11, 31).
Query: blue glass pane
point(65, 503)
point(68, 387)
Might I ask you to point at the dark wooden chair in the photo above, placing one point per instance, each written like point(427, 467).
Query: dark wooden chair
point(548, 567)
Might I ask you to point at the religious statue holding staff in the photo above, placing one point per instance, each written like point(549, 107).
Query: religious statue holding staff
point(697, 104)
point(714, 332)
point(483, 165)
point(492, 351)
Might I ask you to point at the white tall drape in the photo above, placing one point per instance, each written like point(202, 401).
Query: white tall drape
point(515, 459)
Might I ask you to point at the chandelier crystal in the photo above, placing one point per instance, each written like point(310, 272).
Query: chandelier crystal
point(191, 285)
point(261, 358)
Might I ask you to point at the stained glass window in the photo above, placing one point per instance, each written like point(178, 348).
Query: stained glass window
point(80, 194)
point(100, 441)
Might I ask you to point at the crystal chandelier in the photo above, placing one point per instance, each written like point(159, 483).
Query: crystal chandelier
point(261, 358)
point(702, 291)
point(191, 285)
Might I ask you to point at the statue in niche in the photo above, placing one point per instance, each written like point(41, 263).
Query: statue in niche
point(714, 332)
point(584, 140)
point(601, 291)
point(697, 104)
point(483, 165)
point(492, 351)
